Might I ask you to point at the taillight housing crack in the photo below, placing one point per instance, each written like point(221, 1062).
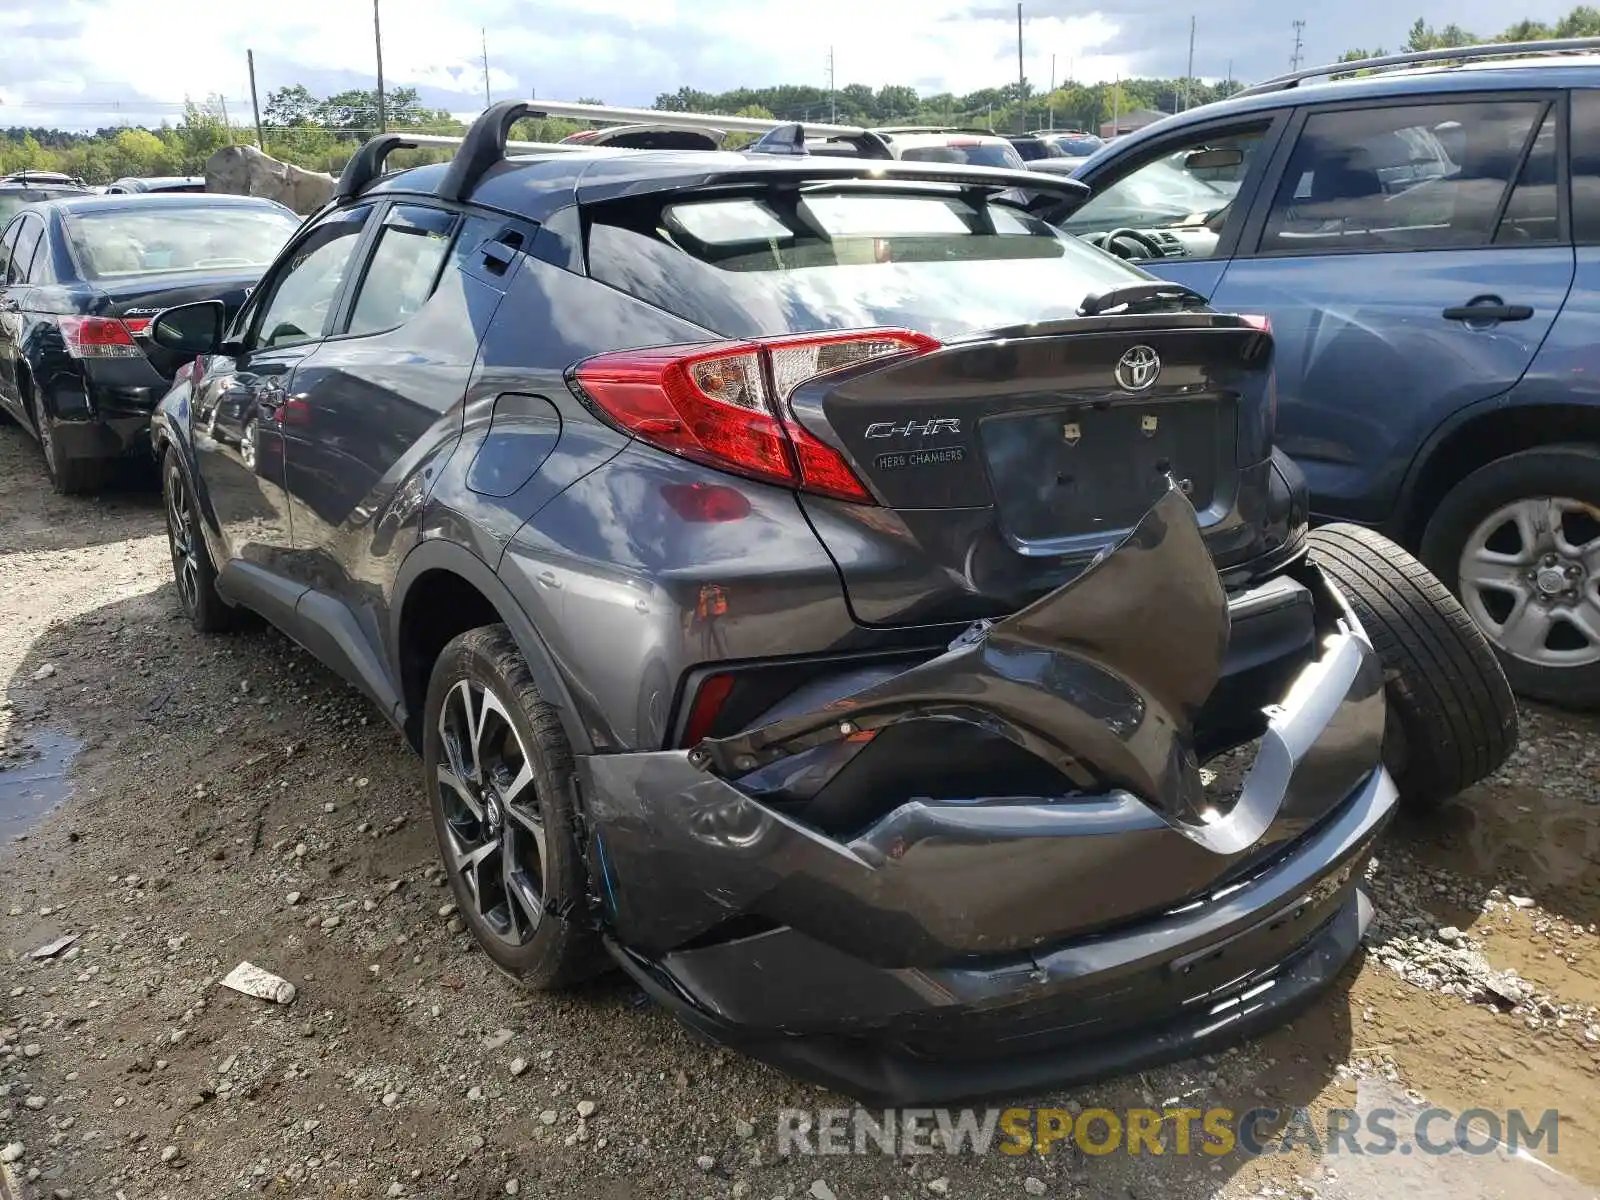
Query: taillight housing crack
point(726, 404)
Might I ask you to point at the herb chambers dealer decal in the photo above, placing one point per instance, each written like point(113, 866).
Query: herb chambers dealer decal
point(931, 456)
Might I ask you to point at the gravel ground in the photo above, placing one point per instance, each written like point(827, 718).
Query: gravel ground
point(231, 800)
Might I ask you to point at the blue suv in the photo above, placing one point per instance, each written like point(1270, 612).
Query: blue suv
point(1426, 243)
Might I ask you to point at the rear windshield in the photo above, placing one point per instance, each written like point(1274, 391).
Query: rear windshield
point(12, 199)
point(978, 154)
point(147, 241)
point(932, 261)
point(1079, 147)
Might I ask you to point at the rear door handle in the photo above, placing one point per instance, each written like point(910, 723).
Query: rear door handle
point(1490, 310)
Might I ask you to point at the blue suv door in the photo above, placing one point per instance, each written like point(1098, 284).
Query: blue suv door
point(1411, 257)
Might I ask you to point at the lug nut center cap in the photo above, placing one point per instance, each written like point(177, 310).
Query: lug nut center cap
point(1551, 580)
point(492, 811)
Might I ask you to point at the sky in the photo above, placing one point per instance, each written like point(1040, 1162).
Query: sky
point(82, 64)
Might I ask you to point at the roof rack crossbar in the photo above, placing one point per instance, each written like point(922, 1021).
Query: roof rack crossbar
point(1484, 51)
point(367, 163)
point(682, 120)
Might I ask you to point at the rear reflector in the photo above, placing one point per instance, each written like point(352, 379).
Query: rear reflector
point(708, 702)
point(101, 337)
point(726, 404)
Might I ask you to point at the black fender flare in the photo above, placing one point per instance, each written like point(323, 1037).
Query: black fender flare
point(1513, 400)
point(436, 554)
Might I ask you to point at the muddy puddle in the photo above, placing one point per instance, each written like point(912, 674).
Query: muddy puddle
point(34, 779)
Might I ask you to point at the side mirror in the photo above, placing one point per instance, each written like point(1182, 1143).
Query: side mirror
point(191, 329)
point(1213, 160)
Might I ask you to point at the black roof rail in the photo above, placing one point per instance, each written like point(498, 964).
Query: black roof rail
point(1481, 52)
point(366, 164)
point(483, 146)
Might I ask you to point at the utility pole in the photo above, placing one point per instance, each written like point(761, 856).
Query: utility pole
point(1188, 75)
point(833, 100)
point(226, 124)
point(377, 42)
point(1022, 109)
point(1296, 58)
point(255, 105)
point(1116, 106)
point(1052, 91)
point(484, 35)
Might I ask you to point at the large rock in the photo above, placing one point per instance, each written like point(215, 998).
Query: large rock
point(246, 171)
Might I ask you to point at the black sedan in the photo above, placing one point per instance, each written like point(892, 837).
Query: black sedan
point(80, 278)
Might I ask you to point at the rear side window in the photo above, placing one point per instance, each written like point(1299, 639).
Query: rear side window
point(1585, 143)
point(7, 240)
point(1410, 177)
point(28, 239)
point(781, 263)
point(403, 269)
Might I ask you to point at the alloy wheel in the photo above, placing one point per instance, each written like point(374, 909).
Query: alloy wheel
point(494, 833)
point(182, 542)
point(247, 446)
point(1530, 577)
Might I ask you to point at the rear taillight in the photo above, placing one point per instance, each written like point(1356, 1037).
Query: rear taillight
point(1257, 321)
point(727, 404)
point(102, 337)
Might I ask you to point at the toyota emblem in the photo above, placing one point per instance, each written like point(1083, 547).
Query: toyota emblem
point(1138, 369)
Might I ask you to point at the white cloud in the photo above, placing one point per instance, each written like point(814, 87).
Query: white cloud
point(90, 62)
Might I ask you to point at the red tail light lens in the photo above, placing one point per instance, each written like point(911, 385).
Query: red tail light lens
point(101, 337)
point(1257, 321)
point(727, 405)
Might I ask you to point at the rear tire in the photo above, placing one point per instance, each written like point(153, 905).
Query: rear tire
point(192, 569)
point(503, 794)
point(68, 476)
point(1452, 717)
point(1504, 531)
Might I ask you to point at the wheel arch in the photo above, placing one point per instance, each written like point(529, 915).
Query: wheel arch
point(1477, 437)
point(443, 589)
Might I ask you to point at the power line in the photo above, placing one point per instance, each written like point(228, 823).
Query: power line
point(1298, 57)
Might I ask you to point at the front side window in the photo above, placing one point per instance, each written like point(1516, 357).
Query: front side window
point(1409, 177)
point(1188, 190)
point(303, 291)
point(404, 267)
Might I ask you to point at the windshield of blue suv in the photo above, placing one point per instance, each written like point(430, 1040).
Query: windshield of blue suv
point(934, 261)
point(146, 241)
point(1158, 194)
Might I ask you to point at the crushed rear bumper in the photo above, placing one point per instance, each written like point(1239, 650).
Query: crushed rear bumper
point(953, 948)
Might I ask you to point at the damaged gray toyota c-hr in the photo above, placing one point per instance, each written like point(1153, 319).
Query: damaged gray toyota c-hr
point(823, 590)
